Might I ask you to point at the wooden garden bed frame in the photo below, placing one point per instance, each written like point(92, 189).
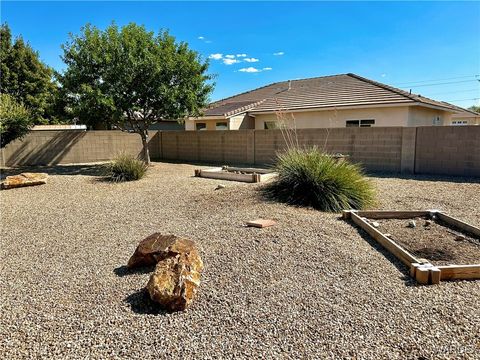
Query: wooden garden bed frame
point(420, 269)
point(254, 175)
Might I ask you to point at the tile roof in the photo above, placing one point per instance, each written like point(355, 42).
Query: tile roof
point(319, 92)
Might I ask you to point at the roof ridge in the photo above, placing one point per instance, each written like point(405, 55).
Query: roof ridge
point(409, 95)
point(274, 83)
point(246, 92)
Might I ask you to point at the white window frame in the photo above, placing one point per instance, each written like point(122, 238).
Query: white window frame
point(361, 123)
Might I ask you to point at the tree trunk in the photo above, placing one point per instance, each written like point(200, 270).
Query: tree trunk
point(146, 152)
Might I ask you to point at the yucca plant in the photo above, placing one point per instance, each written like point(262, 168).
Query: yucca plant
point(308, 177)
point(126, 168)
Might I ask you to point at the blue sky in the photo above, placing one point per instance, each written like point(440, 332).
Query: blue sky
point(431, 47)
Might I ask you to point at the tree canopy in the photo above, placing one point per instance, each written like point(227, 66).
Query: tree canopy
point(132, 78)
point(475, 108)
point(23, 76)
point(15, 119)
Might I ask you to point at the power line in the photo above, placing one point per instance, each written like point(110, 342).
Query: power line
point(427, 81)
point(444, 83)
point(454, 92)
point(464, 99)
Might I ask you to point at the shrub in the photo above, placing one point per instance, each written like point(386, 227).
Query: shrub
point(126, 168)
point(308, 177)
point(15, 120)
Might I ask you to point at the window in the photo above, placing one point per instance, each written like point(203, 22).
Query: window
point(221, 126)
point(200, 126)
point(268, 125)
point(436, 120)
point(460, 122)
point(360, 123)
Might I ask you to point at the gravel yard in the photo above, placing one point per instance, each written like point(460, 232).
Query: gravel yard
point(312, 286)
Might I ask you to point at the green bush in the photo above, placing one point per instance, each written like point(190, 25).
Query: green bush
point(126, 168)
point(15, 120)
point(308, 177)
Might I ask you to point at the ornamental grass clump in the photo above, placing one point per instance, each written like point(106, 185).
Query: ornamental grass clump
point(308, 177)
point(126, 168)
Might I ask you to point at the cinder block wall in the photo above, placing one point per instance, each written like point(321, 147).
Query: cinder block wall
point(378, 149)
point(68, 147)
point(448, 150)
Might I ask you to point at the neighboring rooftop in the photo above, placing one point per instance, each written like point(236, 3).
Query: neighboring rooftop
point(320, 92)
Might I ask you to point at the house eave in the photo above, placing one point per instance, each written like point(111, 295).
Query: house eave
point(347, 107)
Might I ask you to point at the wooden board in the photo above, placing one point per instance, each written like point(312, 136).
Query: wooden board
point(218, 173)
point(459, 224)
point(420, 269)
point(459, 272)
point(393, 214)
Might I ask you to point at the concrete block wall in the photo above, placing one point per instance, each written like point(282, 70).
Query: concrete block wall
point(448, 150)
point(209, 146)
point(69, 147)
point(377, 149)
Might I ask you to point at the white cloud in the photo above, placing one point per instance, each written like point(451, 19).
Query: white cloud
point(241, 55)
point(216, 56)
point(250, 70)
point(251, 60)
point(383, 75)
point(201, 38)
point(280, 53)
point(267, 68)
point(229, 61)
point(230, 56)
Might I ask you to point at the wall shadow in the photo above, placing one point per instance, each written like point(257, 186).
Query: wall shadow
point(51, 152)
point(84, 169)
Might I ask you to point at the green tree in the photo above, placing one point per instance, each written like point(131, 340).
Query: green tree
point(475, 108)
point(15, 119)
point(133, 78)
point(24, 76)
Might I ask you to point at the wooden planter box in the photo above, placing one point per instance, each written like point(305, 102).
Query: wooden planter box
point(252, 175)
point(423, 271)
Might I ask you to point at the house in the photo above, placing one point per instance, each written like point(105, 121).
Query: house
point(346, 100)
point(465, 117)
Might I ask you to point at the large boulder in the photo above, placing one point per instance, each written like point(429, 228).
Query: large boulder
point(24, 179)
point(177, 273)
point(157, 247)
point(175, 281)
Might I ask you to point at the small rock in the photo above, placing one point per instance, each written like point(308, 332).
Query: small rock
point(24, 179)
point(388, 235)
point(220, 186)
point(375, 224)
point(460, 238)
point(261, 223)
point(412, 224)
point(428, 223)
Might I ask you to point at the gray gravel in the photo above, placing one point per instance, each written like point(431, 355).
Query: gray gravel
point(312, 286)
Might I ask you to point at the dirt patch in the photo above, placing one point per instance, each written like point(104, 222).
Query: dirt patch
point(435, 241)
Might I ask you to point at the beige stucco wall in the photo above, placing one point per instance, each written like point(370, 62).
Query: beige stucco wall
point(237, 122)
point(383, 116)
point(471, 120)
point(422, 116)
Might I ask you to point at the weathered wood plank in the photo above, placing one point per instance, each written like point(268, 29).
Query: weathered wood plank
point(459, 224)
point(392, 214)
point(459, 272)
